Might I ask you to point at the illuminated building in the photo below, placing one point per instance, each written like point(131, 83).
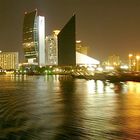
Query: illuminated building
point(134, 62)
point(131, 62)
point(52, 48)
point(62, 48)
point(82, 59)
point(34, 38)
point(67, 44)
point(113, 60)
point(137, 63)
point(9, 60)
point(80, 48)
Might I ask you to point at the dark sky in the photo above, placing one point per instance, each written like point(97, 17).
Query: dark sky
point(106, 26)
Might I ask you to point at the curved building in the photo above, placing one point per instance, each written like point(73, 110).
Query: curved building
point(67, 44)
point(34, 38)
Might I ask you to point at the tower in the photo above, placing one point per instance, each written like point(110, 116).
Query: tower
point(52, 48)
point(34, 38)
point(67, 44)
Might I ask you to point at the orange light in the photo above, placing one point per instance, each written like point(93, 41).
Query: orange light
point(137, 57)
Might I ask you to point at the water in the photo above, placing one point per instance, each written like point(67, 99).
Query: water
point(62, 108)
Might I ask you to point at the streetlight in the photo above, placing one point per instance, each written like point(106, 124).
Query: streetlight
point(130, 61)
point(130, 55)
point(137, 63)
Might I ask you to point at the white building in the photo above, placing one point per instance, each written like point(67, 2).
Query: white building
point(41, 40)
point(82, 59)
point(52, 49)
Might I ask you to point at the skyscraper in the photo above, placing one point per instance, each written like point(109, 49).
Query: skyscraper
point(67, 44)
point(52, 48)
point(34, 38)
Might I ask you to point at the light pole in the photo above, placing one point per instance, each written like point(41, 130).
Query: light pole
point(137, 62)
point(130, 61)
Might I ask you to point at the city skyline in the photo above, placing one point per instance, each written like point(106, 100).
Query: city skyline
point(106, 27)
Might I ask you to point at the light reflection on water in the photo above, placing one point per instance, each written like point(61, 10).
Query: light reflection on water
point(134, 87)
point(59, 107)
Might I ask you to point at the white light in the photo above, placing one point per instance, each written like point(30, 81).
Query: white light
point(90, 69)
point(99, 69)
point(124, 67)
point(109, 68)
point(56, 32)
point(57, 70)
point(78, 41)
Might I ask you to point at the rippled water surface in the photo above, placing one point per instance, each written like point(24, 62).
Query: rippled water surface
point(62, 108)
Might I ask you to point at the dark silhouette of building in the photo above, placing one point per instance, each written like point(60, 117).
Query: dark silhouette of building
point(67, 44)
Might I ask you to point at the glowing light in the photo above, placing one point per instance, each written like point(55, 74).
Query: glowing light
point(124, 67)
point(130, 55)
point(25, 71)
point(78, 41)
point(137, 57)
point(109, 68)
point(99, 69)
point(90, 69)
point(56, 32)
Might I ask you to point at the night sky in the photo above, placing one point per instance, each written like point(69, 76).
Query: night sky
point(106, 26)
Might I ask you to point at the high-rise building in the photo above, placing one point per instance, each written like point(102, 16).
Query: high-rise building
point(9, 60)
point(34, 38)
point(52, 48)
point(67, 44)
point(134, 62)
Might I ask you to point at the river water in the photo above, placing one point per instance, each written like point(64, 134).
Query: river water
point(62, 108)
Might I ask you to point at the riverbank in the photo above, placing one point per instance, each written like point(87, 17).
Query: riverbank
point(119, 77)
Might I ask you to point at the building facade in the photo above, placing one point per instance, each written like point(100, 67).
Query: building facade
point(134, 62)
point(52, 48)
point(9, 60)
point(67, 44)
point(113, 60)
point(34, 38)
